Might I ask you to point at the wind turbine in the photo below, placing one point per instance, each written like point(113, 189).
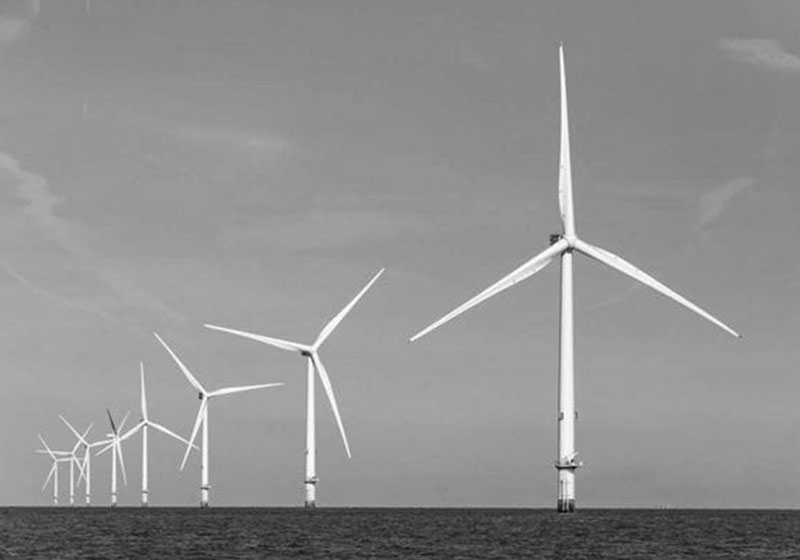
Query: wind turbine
point(202, 417)
point(81, 440)
point(311, 353)
point(73, 460)
point(87, 458)
point(563, 245)
point(142, 426)
point(116, 447)
point(57, 457)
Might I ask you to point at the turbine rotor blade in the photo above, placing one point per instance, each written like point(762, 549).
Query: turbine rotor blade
point(620, 264)
point(564, 165)
point(124, 418)
point(195, 383)
point(328, 329)
point(326, 383)
point(170, 433)
point(197, 422)
point(50, 474)
point(47, 447)
point(232, 390)
point(80, 467)
point(83, 468)
point(81, 438)
point(522, 272)
point(121, 461)
point(106, 448)
point(277, 342)
point(110, 419)
point(133, 430)
point(144, 396)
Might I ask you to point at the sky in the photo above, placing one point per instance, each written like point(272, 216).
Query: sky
point(252, 164)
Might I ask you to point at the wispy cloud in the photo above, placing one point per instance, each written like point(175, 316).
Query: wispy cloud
point(766, 53)
point(40, 205)
point(713, 203)
point(249, 142)
point(86, 307)
point(73, 238)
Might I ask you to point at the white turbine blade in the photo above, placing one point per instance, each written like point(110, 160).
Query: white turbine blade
point(277, 342)
point(50, 474)
point(47, 447)
point(564, 165)
point(170, 433)
point(80, 468)
point(81, 438)
point(326, 383)
point(341, 315)
point(195, 383)
point(625, 267)
point(110, 419)
point(124, 418)
point(106, 448)
point(121, 461)
point(132, 431)
point(231, 390)
point(194, 431)
point(528, 269)
point(144, 396)
point(83, 468)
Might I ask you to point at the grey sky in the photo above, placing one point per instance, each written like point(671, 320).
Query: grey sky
point(252, 164)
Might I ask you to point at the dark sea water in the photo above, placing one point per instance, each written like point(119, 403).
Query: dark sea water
point(222, 533)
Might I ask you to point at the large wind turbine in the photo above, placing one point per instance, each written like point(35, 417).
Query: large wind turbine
point(202, 417)
point(563, 245)
point(310, 352)
point(143, 425)
point(116, 452)
point(86, 469)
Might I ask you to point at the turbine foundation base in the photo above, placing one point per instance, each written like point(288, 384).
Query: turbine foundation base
point(311, 504)
point(565, 506)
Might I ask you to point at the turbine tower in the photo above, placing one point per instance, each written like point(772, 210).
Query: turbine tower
point(116, 447)
point(202, 417)
point(311, 353)
point(563, 246)
point(142, 426)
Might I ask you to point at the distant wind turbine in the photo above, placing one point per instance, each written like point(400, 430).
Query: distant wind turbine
point(116, 452)
point(202, 417)
point(86, 473)
point(142, 426)
point(81, 440)
point(563, 245)
point(57, 457)
point(311, 353)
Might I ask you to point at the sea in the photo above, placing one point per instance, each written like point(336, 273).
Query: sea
point(327, 533)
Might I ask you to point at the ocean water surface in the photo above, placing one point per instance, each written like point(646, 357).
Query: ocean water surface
point(239, 533)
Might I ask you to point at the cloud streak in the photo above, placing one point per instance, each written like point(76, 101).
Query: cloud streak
point(73, 238)
point(712, 204)
point(766, 53)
